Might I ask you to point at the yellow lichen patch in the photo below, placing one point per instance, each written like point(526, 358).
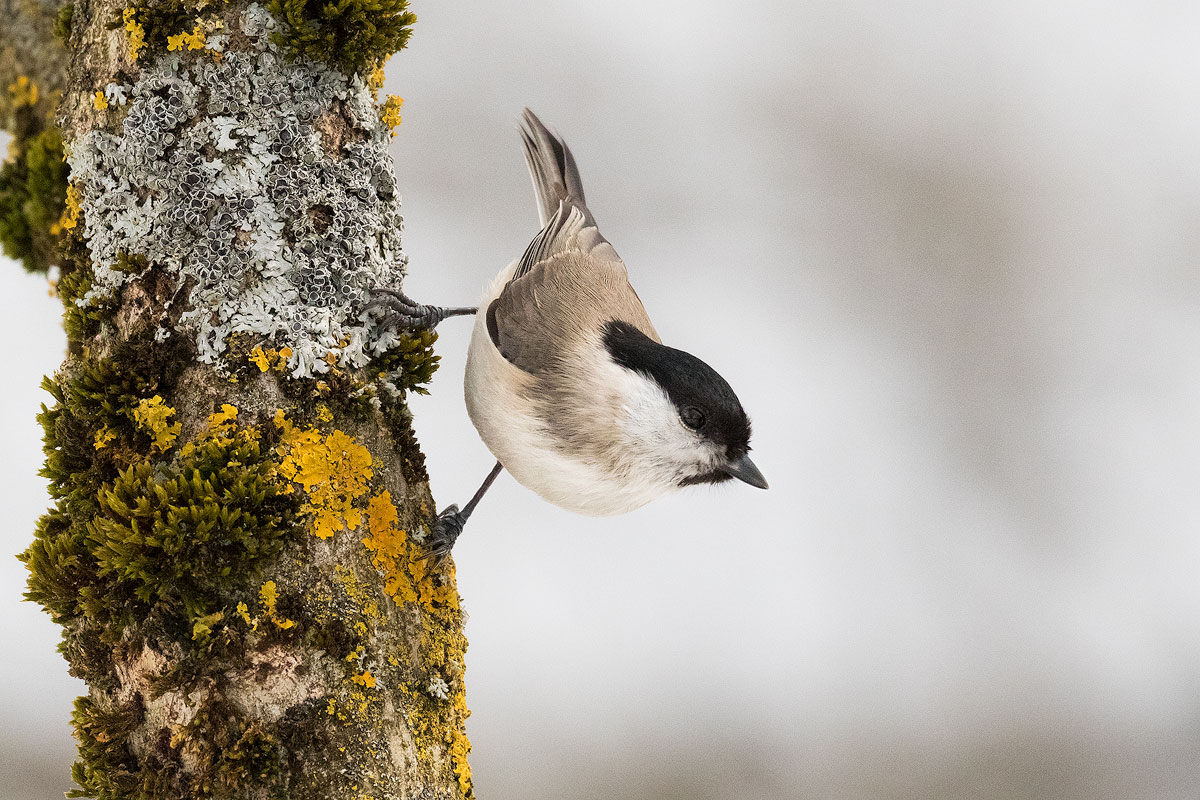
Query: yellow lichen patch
point(460, 747)
point(98, 101)
point(324, 414)
point(151, 416)
point(259, 357)
point(137, 34)
point(389, 112)
point(22, 92)
point(405, 568)
point(270, 358)
point(188, 41)
point(243, 611)
point(354, 706)
point(203, 626)
point(270, 596)
point(228, 413)
point(70, 214)
point(334, 470)
point(103, 437)
point(375, 82)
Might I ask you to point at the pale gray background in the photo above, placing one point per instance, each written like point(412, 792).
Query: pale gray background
point(947, 254)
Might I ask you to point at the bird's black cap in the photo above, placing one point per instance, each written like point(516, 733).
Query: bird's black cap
point(703, 398)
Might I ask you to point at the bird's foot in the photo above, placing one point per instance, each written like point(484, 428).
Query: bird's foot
point(401, 311)
point(446, 529)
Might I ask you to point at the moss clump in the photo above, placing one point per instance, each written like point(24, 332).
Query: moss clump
point(62, 22)
point(177, 535)
point(410, 363)
point(126, 531)
point(226, 756)
point(33, 193)
point(80, 322)
point(106, 769)
point(352, 35)
point(96, 398)
point(253, 759)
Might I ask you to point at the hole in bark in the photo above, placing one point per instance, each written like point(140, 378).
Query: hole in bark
point(321, 216)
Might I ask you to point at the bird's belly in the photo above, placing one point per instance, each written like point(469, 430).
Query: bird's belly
point(521, 442)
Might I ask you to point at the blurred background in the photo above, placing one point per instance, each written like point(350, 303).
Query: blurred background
point(947, 253)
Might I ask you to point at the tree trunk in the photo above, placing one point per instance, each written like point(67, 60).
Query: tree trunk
point(234, 547)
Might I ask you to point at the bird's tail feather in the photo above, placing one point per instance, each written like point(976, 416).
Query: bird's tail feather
point(552, 167)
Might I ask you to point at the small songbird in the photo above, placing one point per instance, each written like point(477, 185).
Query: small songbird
point(567, 381)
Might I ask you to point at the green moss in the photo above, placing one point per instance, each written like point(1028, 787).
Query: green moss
point(226, 756)
point(90, 397)
point(33, 191)
point(410, 363)
point(176, 535)
point(74, 282)
point(106, 769)
point(253, 759)
point(193, 507)
point(62, 22)
point(352, 35)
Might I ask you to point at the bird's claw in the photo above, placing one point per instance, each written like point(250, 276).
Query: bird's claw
point(403, 312)
point(446, 529)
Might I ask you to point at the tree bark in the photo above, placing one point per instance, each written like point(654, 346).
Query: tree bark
point(234, 547)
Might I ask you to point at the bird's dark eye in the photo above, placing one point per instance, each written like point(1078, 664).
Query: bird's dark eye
point(692, 417)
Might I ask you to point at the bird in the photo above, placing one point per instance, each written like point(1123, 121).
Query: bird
point(568, 383)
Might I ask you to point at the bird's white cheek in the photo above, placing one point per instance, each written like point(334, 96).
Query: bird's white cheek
point(651, 431)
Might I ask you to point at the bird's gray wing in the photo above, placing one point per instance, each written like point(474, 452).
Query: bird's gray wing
point(570, 281)
point(540, 320)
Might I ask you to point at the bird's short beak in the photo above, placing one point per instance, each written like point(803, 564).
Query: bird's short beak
point(744, 470)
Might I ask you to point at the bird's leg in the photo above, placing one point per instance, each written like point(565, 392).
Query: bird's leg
point(450, 522)
point(403, 312)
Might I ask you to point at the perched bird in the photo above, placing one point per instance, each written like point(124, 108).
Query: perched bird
point(567, 381)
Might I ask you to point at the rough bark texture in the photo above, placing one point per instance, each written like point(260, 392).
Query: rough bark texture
point(233, 550)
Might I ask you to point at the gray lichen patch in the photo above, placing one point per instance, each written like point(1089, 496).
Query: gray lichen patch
point(260, 184)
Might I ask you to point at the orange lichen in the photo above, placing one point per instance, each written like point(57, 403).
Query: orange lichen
point(405, 568)
point(151, 416)
point(460, 747)
point(259, 357)
point(365, 679)
point(243, 611)
point(218, 421)
point(98, 101)
point(375, 81)
point(334, 470)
